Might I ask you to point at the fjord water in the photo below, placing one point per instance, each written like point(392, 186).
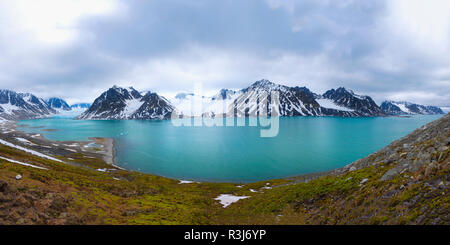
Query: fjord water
point(236, 154)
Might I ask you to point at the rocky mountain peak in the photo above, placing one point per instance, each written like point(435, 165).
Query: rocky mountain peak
point(347, 98)
point(265, 85)
point(127, 103)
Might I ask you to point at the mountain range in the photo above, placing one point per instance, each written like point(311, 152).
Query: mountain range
point(127, 103)
point(408, 108)
point(21, 106)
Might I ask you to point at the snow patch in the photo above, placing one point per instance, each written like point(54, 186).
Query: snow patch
point(132, 106)
point(8, 108)
point(227, 199)
point(22, 163)
point(25, 141)
point(29, 151)
point(185, 182)
point(327, 103)
point(402, 107)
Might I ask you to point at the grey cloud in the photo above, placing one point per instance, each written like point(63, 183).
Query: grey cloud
point(169, 45)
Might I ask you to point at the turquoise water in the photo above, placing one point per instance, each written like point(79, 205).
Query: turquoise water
point(236, 154)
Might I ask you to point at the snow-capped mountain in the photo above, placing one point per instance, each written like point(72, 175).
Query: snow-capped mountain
point(356, 105)
point(300, 101)
point(19, 106)
point(58, 104)
point(407, 108)
point(128, 103)
point(289, 101)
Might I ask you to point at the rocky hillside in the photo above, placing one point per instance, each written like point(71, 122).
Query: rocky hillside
point(408, 108)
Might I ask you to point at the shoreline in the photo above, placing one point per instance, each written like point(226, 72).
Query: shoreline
point(10, 132)
point(109, 150)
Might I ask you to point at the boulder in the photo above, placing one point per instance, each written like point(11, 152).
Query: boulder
point(390, 174)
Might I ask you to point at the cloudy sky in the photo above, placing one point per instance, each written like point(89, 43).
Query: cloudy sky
point(394, 49)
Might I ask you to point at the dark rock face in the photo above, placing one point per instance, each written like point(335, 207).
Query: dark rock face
point(292, 101)
point(391, 109)
point(19, 106)
point(154, 107)
point(407, 108)
point(58, 103)
point(121, 103)
point(362, 105)
point(110, 104)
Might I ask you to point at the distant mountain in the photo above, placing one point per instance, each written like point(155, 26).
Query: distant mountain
point(362, 105)
point(128, 103)
point(408, 108)
point(58, 104)
point(19, 106)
